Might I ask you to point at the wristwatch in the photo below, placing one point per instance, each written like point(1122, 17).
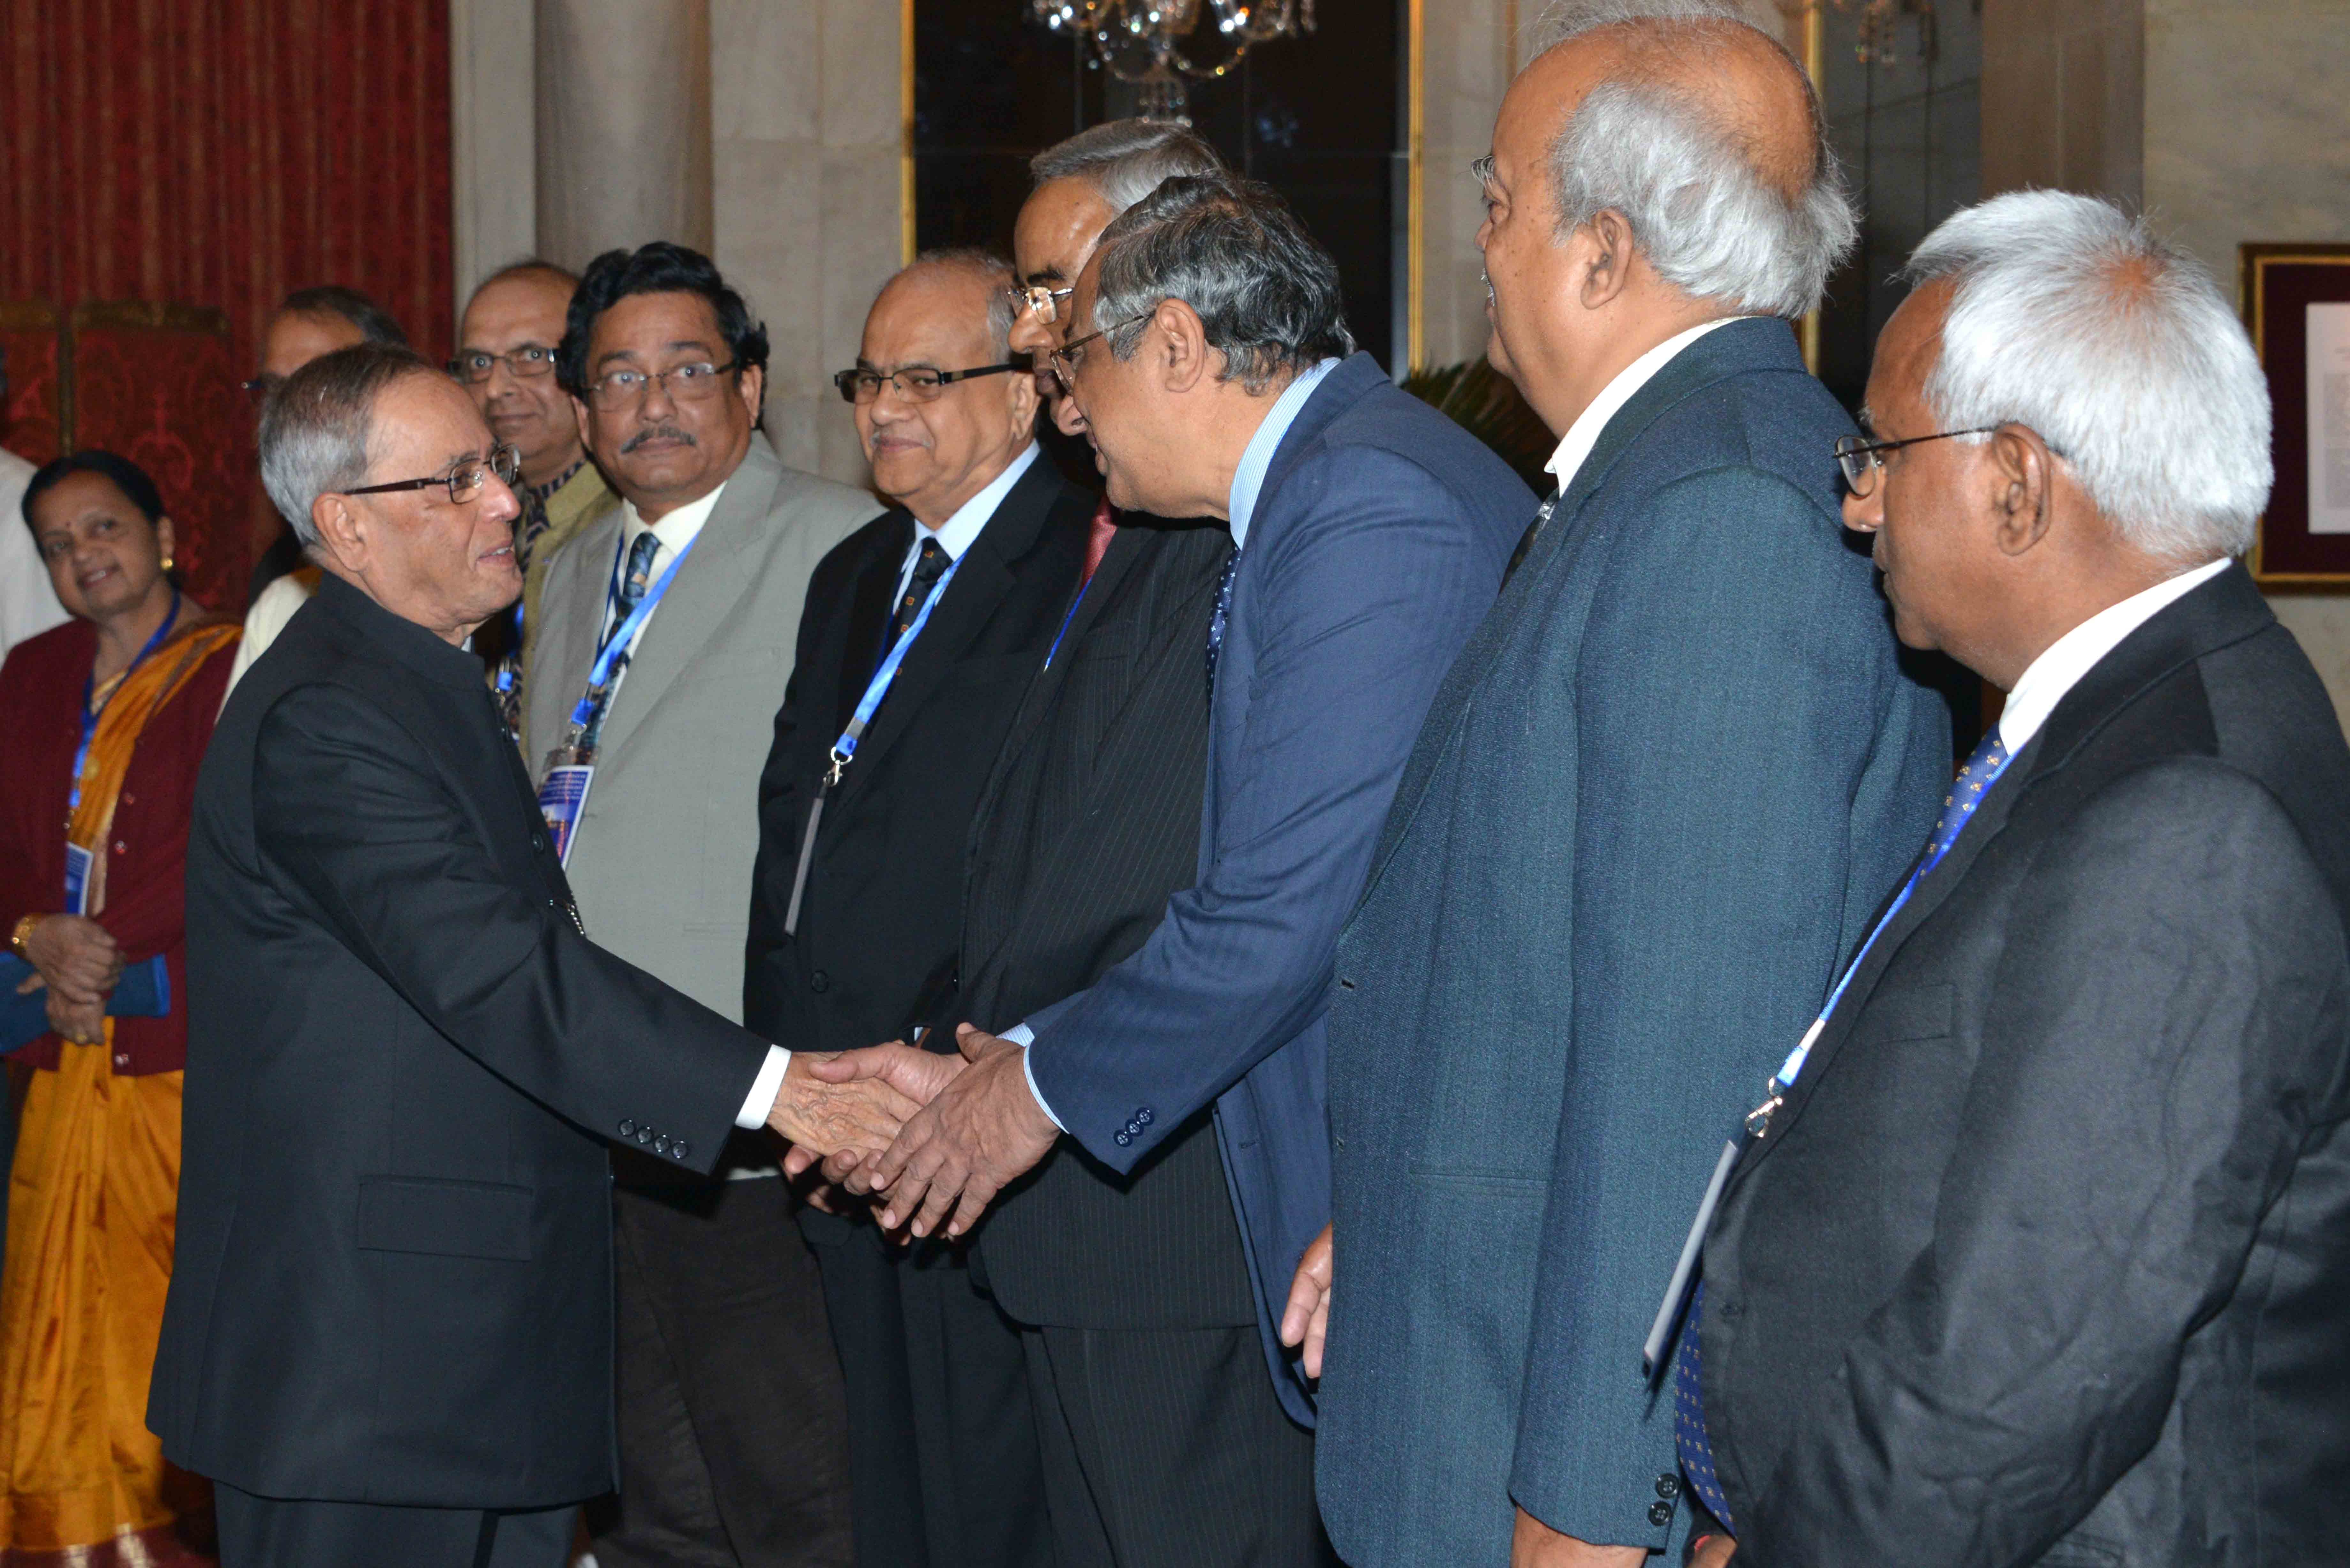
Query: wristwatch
point(23, 933)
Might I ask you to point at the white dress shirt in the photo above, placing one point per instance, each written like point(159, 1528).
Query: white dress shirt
point(2062, 663)
point(1583, 434)
point(955, 534)
point(28, 603)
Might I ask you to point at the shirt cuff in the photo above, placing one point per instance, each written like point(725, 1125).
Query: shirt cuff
point(1020, 1034)
point(764, 1089)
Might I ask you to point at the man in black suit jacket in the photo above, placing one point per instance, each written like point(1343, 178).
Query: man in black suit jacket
point(389, 1336)
point(857, 899)
point(2039, 1254)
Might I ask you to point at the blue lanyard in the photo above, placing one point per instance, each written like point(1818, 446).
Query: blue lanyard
point(623, 634)
point(1793, 1067)
point(878, 688)
point(1055, 649)
point(89, 689)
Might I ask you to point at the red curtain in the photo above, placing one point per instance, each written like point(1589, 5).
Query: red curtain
point(222, 153)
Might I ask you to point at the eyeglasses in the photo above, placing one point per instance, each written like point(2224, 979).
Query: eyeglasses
point(916, 384)
point(694, 383)
point(1041, 298)
point(1064, 359)
point(474, 365)
point(1863, 459)
point(464, 482)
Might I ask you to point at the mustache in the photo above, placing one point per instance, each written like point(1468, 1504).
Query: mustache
point(655, 432)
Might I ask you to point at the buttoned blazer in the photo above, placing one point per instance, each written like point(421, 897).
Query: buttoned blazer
point(393, 1276)
point(1380, 536)
point(1089, 823)
point(880, 921)
point(661, 863)
point(2043, 1259)
point(1665, 785)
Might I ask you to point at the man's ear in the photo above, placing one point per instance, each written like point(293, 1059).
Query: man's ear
point(2023, 477)
point(1186, 357)
point(1607, 272)
point(342, 530)
point(753, 384)
point(1024, 398)
point(579, 412)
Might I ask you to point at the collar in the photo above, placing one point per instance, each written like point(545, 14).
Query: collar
point(955, 534)
point(1583, 434)
point(1256, 458)
point(2062, 663)
point(417, 647)
point(540, 493)
point(676, 529)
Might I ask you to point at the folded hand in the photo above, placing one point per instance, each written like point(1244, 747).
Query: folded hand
point(75, 956)
point(83, 1023)
point(982, 1130)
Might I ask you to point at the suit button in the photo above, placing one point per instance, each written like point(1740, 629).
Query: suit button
point(1660, 1514)
point(1669, 1487)
point(644, 1135)
point(1125, 1138)
point(538, 841)
point(121, 847)
point(660, 1145)
point(679, 1148)
point(627, 1129)
point(1142, 1116)
point(819, 981)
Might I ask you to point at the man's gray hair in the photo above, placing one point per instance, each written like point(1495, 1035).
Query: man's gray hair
point(315, 429)
point(2071, 318)
point(1642, 144)
point(1267, 295)
point(983, 264)
point(1126, 159)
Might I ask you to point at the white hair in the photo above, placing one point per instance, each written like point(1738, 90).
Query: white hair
point(2071, 318)
point(1127, 159)
point(1712, 224)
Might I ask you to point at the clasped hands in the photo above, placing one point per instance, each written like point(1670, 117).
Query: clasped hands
point(79, 963)
point(931, 1138)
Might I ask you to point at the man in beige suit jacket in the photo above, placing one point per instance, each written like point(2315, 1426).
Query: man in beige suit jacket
point(732, 1428)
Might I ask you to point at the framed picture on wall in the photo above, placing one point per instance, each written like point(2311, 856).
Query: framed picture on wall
point(2297, 303)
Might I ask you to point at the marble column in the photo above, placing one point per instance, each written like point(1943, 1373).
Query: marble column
point(493, 167)
point(623, 125)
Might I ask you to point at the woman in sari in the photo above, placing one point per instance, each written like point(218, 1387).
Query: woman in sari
point(103, 722)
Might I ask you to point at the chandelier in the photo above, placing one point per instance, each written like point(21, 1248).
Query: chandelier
point(1143, 42)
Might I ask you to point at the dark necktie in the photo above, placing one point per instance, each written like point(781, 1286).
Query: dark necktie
point(635, 578)
point(1691, 1443)
point(1223, 613)
point(930, 566)
point(1526, 540)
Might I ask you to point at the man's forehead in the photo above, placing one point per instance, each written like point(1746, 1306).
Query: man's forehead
point(653, 323)
point(516, 307)
point(426, 420)
point(940, 311)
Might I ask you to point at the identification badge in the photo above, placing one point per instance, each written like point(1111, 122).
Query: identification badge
point(563, 794)
point(77, 865)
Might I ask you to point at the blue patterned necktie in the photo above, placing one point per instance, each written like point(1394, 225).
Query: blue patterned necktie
point(636, 578)
point(1222, 614)
point(1690, 1440)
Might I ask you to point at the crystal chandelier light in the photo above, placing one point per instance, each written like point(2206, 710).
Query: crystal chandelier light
point(1143, 41)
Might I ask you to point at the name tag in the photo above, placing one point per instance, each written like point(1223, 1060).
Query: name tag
point(562, 795)
point(77, 865)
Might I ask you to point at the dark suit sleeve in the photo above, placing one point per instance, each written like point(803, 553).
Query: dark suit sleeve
point(1732, 686)
point(2161, 1032)
point(351, 811)
point(1364, 606)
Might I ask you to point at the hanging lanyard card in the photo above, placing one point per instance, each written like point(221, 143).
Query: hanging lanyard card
point(78, 866)
point(844, 749)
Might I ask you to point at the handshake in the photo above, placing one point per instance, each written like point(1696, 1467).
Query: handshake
point(931, 1138)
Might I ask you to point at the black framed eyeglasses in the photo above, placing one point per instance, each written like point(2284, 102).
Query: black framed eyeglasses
point(1863, 459)
point(696, 383)
point(464, 483)
point(1064, 359)
point(915, 383)
point(475, 364)
point(1041, 298)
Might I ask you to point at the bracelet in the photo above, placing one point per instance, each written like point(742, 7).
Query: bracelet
point(23, 933)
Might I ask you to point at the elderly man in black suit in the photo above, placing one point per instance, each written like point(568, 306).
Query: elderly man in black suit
point(2037, 1249)
point(388, 1337)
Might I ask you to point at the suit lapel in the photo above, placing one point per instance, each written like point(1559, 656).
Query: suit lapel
point(706, 587)
point(982, 579)
point(571, 612)
point(1116, 564)
point(869, 604)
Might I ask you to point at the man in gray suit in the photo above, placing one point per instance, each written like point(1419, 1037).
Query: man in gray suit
point(732, 1430)
point(1655, 801)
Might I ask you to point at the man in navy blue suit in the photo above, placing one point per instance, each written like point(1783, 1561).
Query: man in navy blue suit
point(1206, 349)
point(1652, 808)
